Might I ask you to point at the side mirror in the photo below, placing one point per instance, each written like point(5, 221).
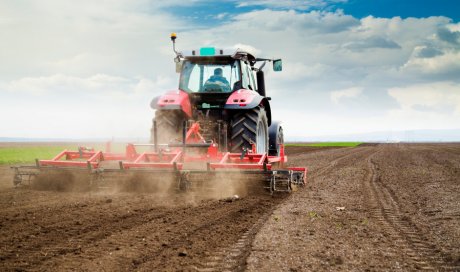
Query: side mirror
point(277, 65)
point(179, 66)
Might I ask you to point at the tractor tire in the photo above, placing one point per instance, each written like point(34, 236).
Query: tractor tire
point(247, 127)
point(169, 126)
point(276, 138)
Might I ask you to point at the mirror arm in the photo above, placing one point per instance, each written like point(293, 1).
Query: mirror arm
point(262, 66)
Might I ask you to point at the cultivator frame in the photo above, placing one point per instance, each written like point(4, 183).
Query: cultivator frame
point(172, 158)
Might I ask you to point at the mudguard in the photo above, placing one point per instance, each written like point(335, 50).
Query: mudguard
point(275, 138)
point(173, 100)
point(248, 99)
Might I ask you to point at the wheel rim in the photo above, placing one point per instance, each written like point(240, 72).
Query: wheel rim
point(261, 139)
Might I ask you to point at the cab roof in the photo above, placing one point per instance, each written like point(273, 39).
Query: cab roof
point(210, 52)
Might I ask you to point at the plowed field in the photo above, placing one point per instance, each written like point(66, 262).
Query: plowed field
point(376, 207)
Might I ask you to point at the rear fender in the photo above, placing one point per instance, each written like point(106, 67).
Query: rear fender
point(274, 140)
point(247, 99)
point(173, 100)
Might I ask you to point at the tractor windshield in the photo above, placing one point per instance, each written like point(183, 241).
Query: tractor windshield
point(210, 75)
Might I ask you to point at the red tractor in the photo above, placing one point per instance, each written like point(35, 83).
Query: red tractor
point(225, 93)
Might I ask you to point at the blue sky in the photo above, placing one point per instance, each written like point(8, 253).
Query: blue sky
point(90, 68)
point(402, 8)
point(206, 12)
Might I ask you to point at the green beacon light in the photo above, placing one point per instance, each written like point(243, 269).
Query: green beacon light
point(207, 51)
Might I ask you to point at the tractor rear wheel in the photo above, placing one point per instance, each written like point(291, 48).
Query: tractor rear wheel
point(248, 127)
point(169, 126)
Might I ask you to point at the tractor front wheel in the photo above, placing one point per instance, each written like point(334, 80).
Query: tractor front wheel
point(247, 128)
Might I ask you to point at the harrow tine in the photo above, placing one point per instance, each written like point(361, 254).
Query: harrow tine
point(23, 175)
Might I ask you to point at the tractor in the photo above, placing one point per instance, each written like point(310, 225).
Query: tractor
point(225, 93)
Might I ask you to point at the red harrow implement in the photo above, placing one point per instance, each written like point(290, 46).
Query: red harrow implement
point(182, 160)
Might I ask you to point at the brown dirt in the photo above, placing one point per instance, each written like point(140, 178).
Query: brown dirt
point(400, 211)
point(390, 207)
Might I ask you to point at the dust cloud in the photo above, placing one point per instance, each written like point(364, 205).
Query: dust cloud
point(225, 184)
point(202, 186)
point(62, 181)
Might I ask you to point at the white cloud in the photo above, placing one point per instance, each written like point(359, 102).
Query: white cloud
point(83, 38)
point(297, 71)
point(60, 83)
point(425, 51)
point(114, 57)
point(370, 43)
point(433, 105)
point(338, 95)
point(221, 16)
point(448, 35)
point(65, 106)
point(447, 62)
point(436, 94)
point(314, 21)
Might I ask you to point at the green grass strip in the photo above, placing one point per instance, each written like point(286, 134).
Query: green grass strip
point(28, 154)
point(10, 155)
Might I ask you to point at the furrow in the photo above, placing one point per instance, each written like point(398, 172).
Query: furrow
point(385, 209)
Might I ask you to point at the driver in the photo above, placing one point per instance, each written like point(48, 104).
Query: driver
point(219, 79)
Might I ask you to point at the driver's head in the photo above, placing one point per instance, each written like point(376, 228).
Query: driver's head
point(218, 72)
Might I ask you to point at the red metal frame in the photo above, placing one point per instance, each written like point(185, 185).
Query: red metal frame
point(131, 159)
point(248, 161)
point(152, 159)
point(194, 135)
point(167, 159)
point(92, 159)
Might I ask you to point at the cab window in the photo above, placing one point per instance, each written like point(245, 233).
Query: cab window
point(248, 76)
point(210, 76)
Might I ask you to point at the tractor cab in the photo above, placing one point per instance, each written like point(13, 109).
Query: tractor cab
point(216, 74)
point(211, 70)
point(210, 76)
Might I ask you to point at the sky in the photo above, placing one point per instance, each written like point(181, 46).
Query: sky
point(89, 69)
